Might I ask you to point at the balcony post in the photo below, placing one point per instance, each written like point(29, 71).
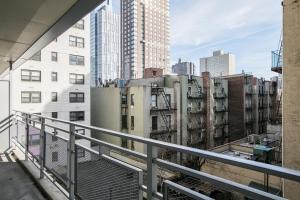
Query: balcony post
point(26, 136)
point(151, 171)
point(42, 147)
point(71, 162)
point(165, 191)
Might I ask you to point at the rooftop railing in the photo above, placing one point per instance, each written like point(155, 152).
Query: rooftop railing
point(76, 163)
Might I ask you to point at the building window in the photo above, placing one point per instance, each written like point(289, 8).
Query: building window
point(77, 116)
point(132, 99)
point(80, 131)
point(154, 123)
point(76, 41)
point(76, 97)
point(80, 153)
point(54, 56)
point(79, 24)
point(54, 76)
point(30, 75)
point(54, 115)
point(30, 97)
point(154, 100)
point(124, 99)
point(189, 90)
point(132, 122)
point(76, 60)
point(54, 96)
point(76, 78)
point(37, 56)
point(54, 156)
point(124, 122)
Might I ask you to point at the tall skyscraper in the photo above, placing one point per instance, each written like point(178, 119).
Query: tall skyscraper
point(219, 64)
point(105, 44)
point(145, 37)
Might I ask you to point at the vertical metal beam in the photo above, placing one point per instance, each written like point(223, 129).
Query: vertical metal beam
point(42, 147)
point(165, 191)
point(151, 171)
point(26, 136)
point(71, 162)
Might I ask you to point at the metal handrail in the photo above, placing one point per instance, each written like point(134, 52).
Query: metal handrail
point(248, 164)
point(152, 160)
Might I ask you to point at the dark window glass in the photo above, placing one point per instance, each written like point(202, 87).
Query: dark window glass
point(154, 123)
point(132, 122)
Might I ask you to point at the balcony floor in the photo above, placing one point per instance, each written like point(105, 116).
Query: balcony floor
point(15, 182)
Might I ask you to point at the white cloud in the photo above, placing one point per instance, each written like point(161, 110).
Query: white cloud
point(198, 22)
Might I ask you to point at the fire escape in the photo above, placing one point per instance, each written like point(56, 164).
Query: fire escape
point(220, 110)
point(195, 124)
point(166, 108)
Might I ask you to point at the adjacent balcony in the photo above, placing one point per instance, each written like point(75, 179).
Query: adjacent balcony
point(220, 109)
point(219, 95)
point(197, 110)
point(163, 107)
point(277, 61)
point(195, 95)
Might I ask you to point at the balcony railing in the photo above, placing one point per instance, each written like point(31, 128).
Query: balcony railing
point(79, 168)
point(163, 107)
point(219, 95)
point(277, 61)
point(220, 109)
point(195, 95)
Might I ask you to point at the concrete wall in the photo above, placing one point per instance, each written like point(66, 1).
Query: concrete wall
point(106, 112)
point(4, 107)
point(291, 94)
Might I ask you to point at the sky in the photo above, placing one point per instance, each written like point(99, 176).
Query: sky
point(250, 29)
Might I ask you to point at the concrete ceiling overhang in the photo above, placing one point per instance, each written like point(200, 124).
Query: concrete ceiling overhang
point(27, 26)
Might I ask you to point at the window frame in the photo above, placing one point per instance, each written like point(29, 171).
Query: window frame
point(154, 128)
point(30, 97)
point(54, 115)
point(77, 60)
point(30, 76)
point(132, 122)
point(76, 99)
point(52, 77)
point(76, 79)
point(73, 41)
point(76, 113)
point(54, 56)
point(55, 99)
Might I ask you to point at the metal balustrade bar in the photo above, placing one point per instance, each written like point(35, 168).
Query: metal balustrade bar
point(151, 159)
point(221, 182)
point(183, 190)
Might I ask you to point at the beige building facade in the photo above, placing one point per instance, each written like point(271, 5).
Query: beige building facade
point(291, 103)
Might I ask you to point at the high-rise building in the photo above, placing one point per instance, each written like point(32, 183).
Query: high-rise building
point(145, 36)
point(184, 68)
point(56, 82)
point(105, 44)
point(220, 64)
